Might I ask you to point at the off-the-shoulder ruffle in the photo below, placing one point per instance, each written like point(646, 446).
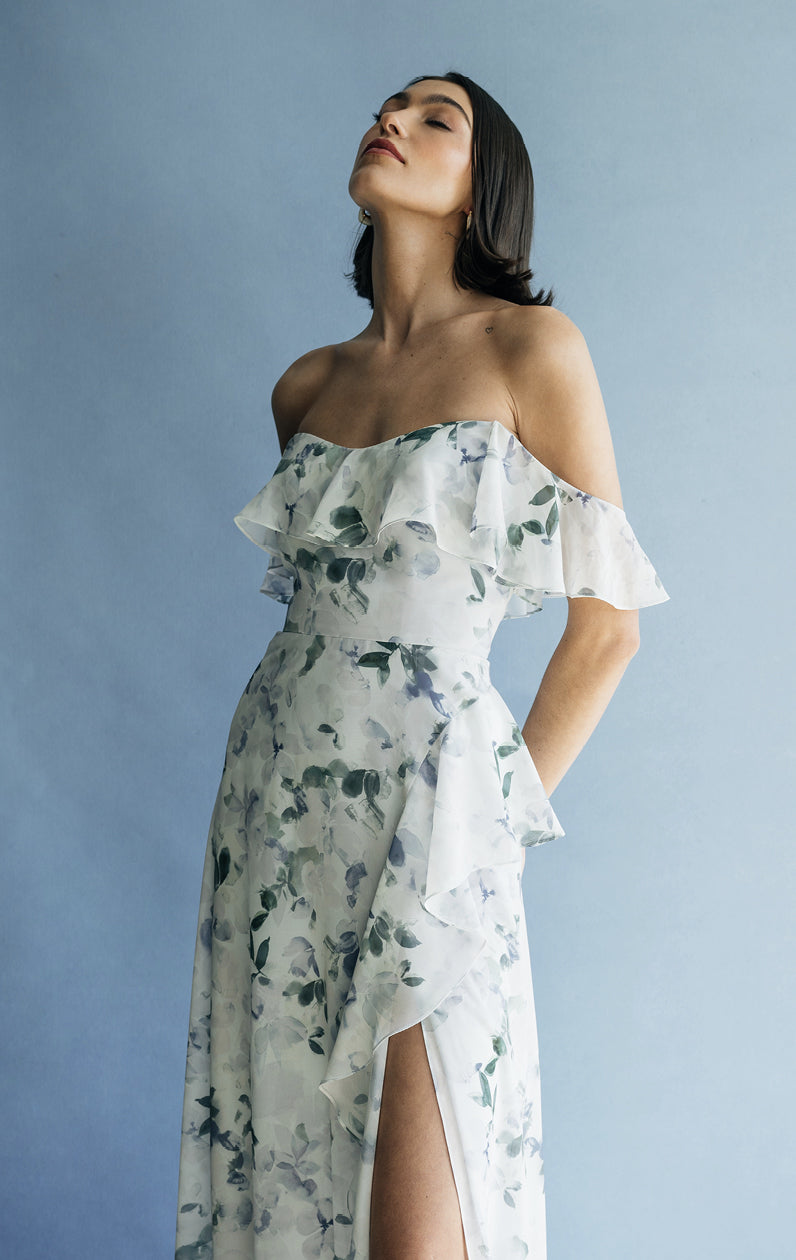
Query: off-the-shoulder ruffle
point(486, 498)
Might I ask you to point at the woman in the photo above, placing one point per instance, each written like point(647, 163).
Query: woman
point(362, 1076)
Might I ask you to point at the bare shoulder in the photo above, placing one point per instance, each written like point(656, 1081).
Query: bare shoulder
point(556, 398)
point(297, 388)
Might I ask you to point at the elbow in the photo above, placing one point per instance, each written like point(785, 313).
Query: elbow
point(612, 647)
point(603, 629)
point(624, 638)
point(613, 652)
point(631, 643)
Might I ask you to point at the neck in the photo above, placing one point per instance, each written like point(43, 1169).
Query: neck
point(412, 272)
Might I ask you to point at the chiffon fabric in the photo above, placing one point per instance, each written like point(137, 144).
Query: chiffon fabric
point(363, 864)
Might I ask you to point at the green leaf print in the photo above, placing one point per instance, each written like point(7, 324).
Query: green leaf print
point(415, 658)
point(279, 1034)
point(371, 785)
point(380, 997)
point(405, 937)
point(299, 1140)
point(507, 783)
point(543, 496)
point(514, 535)
point(353, 782)
point(532, 527)
point(262, 953)
point(379, 661)
point(508, 1197)
point(306, 560)
point(376, 660)
point(314, 651)
point(346, 949)
point(356, 571)
point(221, 867)
point(552, 521)
point(207, 1101)
point(307, 994)
point(486, 1092)
point(351, 529)
point(336, 571)
point(419, 436)
point(479, 584)
point(301, 953)
point(315, 777)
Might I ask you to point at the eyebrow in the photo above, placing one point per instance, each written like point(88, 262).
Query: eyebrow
point(436, 98)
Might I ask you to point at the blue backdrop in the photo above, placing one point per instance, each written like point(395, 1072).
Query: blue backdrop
point(175, 228)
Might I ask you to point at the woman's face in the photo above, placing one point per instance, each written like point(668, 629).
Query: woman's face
point(434, 140)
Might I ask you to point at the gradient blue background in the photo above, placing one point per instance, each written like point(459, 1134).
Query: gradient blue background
point(175, 225)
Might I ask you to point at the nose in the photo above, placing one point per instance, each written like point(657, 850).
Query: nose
point(390, 121)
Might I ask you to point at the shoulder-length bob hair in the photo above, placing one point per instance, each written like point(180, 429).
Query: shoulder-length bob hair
point(493, 256)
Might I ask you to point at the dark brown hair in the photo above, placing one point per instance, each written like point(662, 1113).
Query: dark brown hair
point(493, 255)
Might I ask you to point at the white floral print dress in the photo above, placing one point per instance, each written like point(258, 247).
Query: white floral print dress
point(363, 866)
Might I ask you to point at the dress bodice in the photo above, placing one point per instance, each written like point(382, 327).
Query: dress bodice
point(435, 536)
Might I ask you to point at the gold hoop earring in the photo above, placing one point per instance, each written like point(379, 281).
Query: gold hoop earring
point(364, 217)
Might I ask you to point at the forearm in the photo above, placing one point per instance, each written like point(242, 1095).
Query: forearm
point(573, 695)
point(576, 687)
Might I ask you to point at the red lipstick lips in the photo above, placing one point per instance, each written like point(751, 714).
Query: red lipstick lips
point(386, 145)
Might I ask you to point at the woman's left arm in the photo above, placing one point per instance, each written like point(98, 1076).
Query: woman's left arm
point(561, 418)
point(583, 673)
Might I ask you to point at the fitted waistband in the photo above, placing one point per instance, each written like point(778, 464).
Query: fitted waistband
point(360, 645)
